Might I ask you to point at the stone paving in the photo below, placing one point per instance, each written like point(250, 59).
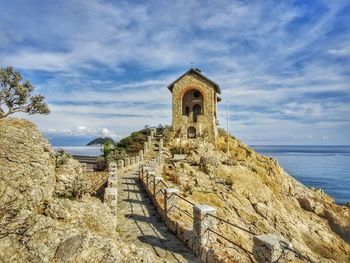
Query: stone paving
point(139, 222)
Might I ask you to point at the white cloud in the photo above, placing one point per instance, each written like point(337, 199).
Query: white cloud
point(270, 66)
point(345, 51)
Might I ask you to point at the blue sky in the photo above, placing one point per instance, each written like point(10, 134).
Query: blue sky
point(284, 66)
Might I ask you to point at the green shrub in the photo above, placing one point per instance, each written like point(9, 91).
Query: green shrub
point(62, 157)
point(107, 148)
point(101, 163)
point(133, 143)
point(115, 155)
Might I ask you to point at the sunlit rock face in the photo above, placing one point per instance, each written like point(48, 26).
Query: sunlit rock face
point(255, 193)
point(45, 213)
point(27, 164)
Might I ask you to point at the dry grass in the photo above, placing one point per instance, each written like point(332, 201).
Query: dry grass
point(207, 198)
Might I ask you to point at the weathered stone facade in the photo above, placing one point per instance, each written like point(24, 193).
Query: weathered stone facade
point(194, 106)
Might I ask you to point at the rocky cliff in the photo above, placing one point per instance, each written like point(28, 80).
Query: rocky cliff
point(46, 214)
point(255, 193)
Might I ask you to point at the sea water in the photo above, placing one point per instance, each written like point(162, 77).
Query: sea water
point(81, 150)
point(326, 167)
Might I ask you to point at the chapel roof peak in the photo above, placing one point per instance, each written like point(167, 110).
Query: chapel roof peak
point(198, 72)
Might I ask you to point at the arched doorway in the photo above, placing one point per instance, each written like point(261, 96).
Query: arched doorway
point(197, 110)
point(191, 132)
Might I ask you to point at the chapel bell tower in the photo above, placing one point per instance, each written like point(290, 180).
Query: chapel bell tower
point(194, 106)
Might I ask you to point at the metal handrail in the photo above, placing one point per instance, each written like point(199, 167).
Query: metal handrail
point(183, 211)
point(159, 191)
point(230, 241)
point(184, 199)
point(286, 247)
point(163, 183)
point(160, 182)
point(231, 224)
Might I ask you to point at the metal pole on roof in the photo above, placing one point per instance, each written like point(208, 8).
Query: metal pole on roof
point(227, 121)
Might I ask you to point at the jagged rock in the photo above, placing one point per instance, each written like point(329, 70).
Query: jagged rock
point(27, 165)
point(38, 223)
point(70, 180)
point(306, 203)
point(265, 199)
point(87, 212)
point(49, 240)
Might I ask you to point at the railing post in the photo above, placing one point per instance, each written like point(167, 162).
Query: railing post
point(169, 201)
point(145, 147)
point(153, 132)
point(160, 145)
point(132, 161)
point(201, 225)
point(127, 162)
point(110, 198)
point(112, 181)
point(112, 168)
point(137, 159)
point(149, 141)
point(267, 248)
point(120, 164)
point(141, 156)
point(155, 183)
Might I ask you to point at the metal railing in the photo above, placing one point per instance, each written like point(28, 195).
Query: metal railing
point(228, 240)
point(184, 199)
point(285, 247)
point(182, 211)
point(231, 224)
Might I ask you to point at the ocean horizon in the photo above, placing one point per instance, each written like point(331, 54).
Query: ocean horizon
point(320, 166)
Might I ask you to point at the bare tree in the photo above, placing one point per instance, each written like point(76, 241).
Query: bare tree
point(15, 95)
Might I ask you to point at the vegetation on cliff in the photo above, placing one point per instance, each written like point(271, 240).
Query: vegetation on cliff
point(130, 145)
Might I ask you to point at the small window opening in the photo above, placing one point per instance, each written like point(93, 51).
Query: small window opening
point(196, 94)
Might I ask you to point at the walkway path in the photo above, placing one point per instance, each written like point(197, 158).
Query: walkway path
point(139, 222)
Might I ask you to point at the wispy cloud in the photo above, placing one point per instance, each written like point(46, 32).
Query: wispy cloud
point(283, 66)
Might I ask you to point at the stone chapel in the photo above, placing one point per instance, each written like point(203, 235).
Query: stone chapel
point(194, 106)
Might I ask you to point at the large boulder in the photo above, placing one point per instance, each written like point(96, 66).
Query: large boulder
point(27, 165)
point(70, 179)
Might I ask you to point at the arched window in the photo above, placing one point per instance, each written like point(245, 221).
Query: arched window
point(191, 132)
point(197, 110)
point(190, 99)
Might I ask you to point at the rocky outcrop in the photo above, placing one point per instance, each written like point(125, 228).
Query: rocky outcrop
point(70, 179)
point(255, 193)
point(45, 213)
point(27, 165)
